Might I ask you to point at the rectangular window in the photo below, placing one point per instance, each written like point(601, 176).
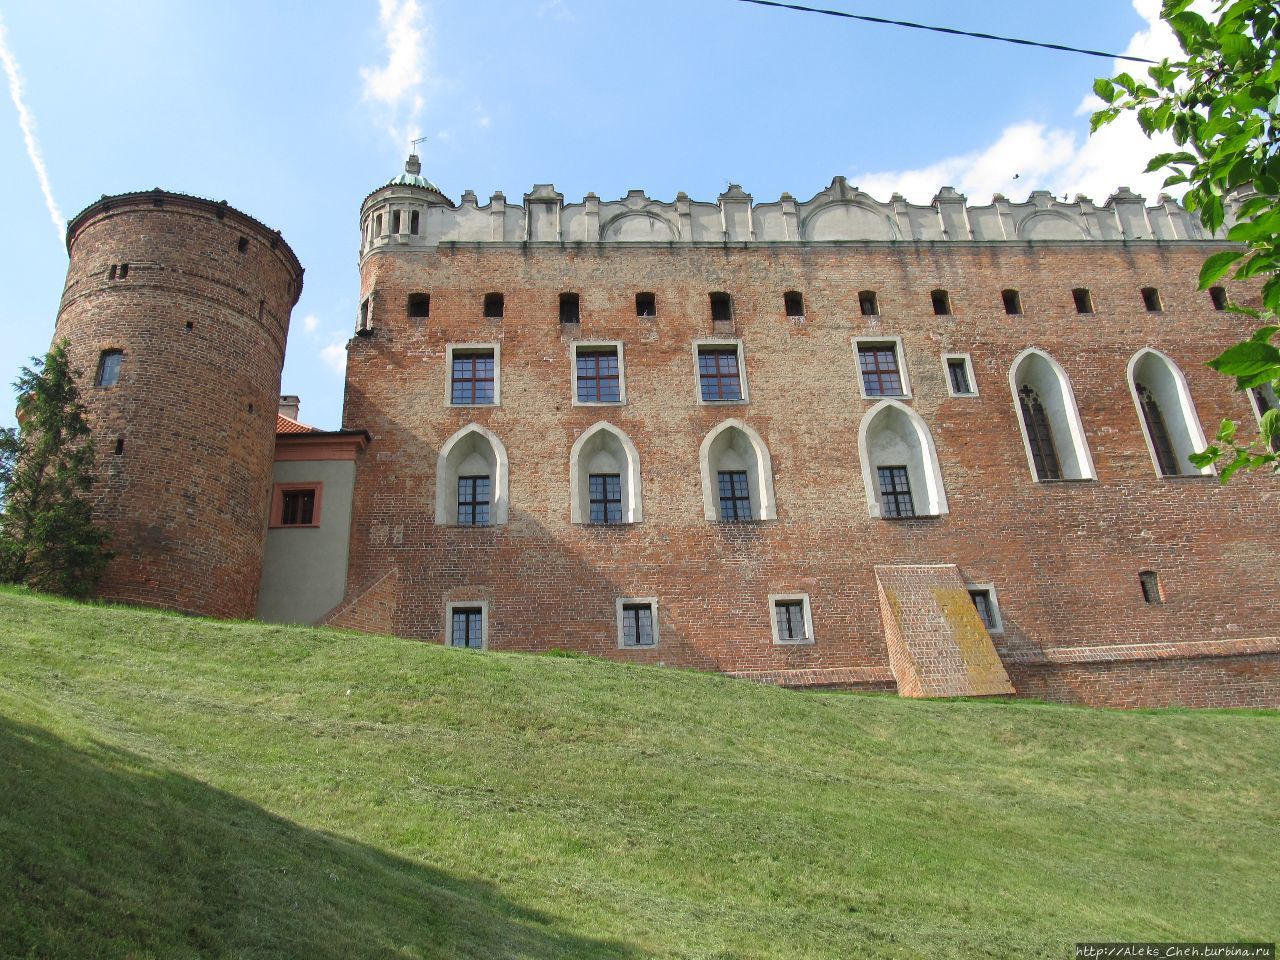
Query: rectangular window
point(646, 305)
point(721, 308)
point(941, 302)
point(493, 306)
point(793, 304)
point(958, 379)
point(1012, 302)
point(1149, 580)
point(605, 492)
point(1083, 300)
point(473, 501)
point(473, 378)
point(1218, 297)
point(986, 610)
point(867, 303)
point(569, 308)
point(295, 505)
point(895, 493)
point(395, 221)
point(792, 620)
point(718, 375)
point(637, 625)
point(467, 627)
point(598, 374)
point(413, 222)
point(1151, 299)
point(419, 305)
point(735, 496)
point(881, 376)
point(109, 368)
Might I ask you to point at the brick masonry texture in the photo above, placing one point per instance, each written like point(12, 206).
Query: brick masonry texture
point(1064, 557)
point(202, 325)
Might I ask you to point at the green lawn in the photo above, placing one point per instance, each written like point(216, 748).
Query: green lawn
point(174, 787)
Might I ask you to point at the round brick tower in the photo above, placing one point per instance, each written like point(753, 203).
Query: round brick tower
point(176, 310)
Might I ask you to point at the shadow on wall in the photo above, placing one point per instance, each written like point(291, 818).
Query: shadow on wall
point(103, 853)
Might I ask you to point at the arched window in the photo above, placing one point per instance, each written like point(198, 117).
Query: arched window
point(604, 477)
point(1048, 419)
point(1166, 413)
point(899, 463)
point(737, 475)
point(471, 479)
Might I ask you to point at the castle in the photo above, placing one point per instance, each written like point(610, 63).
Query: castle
point(838, 443)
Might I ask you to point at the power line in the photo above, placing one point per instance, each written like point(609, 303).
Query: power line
point(948, 30)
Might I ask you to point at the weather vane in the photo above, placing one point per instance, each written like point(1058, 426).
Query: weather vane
point(413, 144)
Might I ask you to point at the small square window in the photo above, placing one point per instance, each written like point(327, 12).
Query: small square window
point(467, 624)
point(1151, 299)
point(296, 505)
point(473, 376)
point(960, 381)
point(646, 305)
point(941, 302)
point(720, 372)
point(881, 372)
point(570, 310)
point(109, 368)
point(792, 618)
point(493, 306)
point(597, 373)
point(637, 622)
point(983, 596)
point(793, 304)
point(721, 308)
point(1083, 300)
point(868, 304)
point(419, 306)
point(1012, 302)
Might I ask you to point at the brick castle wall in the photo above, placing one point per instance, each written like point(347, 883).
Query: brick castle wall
point(202, 324)
point(1064, 556)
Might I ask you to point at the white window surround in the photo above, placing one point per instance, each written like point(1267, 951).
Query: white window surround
point(1054, 387)
point(472, 441)
point(1269, 397)
point(595, 440)
point(1169, 387)
point(451, 605)
point(968, 369)
point(452, 348)
point(902, 365)
point(914, 447)
point(652, 603)
point(722, 343)
point(774, 600)
point(577, 345)
point(997, 627)
point(759, 472)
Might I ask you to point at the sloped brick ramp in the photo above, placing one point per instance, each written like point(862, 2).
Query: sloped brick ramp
point(937, 644)
point(369, 609)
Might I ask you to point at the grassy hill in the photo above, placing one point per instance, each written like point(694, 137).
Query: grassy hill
point(174, 787)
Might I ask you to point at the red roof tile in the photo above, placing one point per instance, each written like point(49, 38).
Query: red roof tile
point(286, 425)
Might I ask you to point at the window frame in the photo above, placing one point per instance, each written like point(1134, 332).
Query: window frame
point(278, 491)
point(990, 590)
point(620, 605)
point(111, 353)
point(899, 353)
point(475, 502)
point(734, 498)
point(720, 343)
point(450, 606)
point(774, 600)
point(464, 348)
point(590, 345)
point(968, 369)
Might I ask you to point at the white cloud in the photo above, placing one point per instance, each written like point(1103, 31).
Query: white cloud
point(334, 355)
point(28, 124)
point(396, 84)
point(310, 322)
point(1030, 156)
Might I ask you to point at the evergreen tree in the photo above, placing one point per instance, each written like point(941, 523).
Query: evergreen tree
point(48, 539)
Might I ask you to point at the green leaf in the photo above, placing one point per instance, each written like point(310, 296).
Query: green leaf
point(1216, 267)
point(1226, 431)
point(1205, 458)
point(1271, 292)
point(1269, 426)
point(1105, 89)
point(1246, 359)
point(1264, 334)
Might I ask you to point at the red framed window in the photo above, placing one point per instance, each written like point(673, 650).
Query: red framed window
point(599, 379)
point(881, 376)
point(472, 381)
point(718, 375)
point(296, 504)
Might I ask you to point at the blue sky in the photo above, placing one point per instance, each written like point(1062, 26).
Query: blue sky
point(294, 111)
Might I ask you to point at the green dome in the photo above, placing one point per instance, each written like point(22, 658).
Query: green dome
point(412, 176)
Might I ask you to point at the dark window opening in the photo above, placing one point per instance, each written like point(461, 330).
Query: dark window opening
point(599, 379)
point(419, 305)
point(473, 501)
point(111, 274)
point(793, 303)
point(377, 225)
point(986, 609)
point(895, 493)
point(637, 625)
point(414, 220)
point(1166, 459)
point(958, 373)
point(1151, 299)
point(251, 408)
point(605, 493)
point(395, 221)
point(721, 308)
point(242, 244)
point(119, 446)
point(1083, 300)
point(1218, 296)
point(789, 615)
point(941, 302)
point(570, 308)
point(718, 375)
point(493, 306)
point(124, 271)
point(467, 628)
point(191, 325)
point(109, 368)
point(881, 376)
point(364, 315)
point(1149, 580)
point(1039, 435)
point(473, 381)
point(735, 496)
point(868, 304)
point(646, 305)
point(297, 507)
point(1012, 302)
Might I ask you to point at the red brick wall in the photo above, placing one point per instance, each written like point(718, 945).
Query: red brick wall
point(195, 405)
point(1064, 557)
point(1246, 681)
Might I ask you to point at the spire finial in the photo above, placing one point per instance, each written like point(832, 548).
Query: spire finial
point(413, 165)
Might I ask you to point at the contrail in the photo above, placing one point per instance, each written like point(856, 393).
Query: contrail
point(28, 124)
